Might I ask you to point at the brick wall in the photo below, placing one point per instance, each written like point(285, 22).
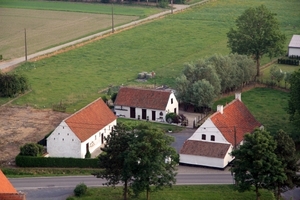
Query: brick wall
point(12, 196)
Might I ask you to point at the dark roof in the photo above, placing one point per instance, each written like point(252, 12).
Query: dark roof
point(207, 149)
point(90, 119)
point(143, 98)
point(235, 115)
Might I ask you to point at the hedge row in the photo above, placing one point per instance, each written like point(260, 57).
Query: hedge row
point(294, 57)
point(30, 161)
point(288, 62)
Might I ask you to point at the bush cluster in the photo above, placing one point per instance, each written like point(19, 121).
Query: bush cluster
point(29, 161)
point(12, 84)
point(31, 149)
point(80, 190)
point(296, 57)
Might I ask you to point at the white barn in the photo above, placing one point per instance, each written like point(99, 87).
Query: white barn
point(81, 132)
point(213, 141)
point(138, 103)
point(294, 46)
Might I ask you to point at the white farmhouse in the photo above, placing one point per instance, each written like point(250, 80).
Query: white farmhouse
point(213, 141)
point(294, 46)
point(81, 132)
point(138, 103)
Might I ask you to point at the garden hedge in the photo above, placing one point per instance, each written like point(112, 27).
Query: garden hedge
point(30, 161)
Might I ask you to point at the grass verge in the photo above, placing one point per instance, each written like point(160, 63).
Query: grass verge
point(186, 192)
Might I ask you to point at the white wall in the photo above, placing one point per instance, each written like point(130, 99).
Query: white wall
point(122, 110)
point(95, 140)
point(171, 106)
point(294, 51)
point(202, 161)
point(208, 128)
point(63, 142)
point(206, 161)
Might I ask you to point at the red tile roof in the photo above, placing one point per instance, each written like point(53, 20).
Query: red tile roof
point(90, 119)
point(5, 185)
point(207, 149)
point(235, 114)
point(143, 98)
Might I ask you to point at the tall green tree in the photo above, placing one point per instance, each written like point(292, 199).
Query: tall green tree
point(115, 160)
point(257, 34)
point(156, 160)
point(135, 156)
point(194, 75)
point(286, 153)
point(294, 101)
point(256, 163)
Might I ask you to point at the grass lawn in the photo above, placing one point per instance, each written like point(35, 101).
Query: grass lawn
point(194, 192)
point(162, 46)
point(163, 126)
point(269, 107)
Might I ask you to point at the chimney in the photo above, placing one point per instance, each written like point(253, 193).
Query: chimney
point(220, 108)
point(238, 96)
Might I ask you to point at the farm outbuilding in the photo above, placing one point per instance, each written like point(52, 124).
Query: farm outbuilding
point(294, 46)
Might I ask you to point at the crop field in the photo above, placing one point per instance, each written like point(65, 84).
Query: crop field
point(52, 23)
point(48, 28)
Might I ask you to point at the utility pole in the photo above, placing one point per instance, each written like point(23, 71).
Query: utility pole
point(112, 17)
point(171, 6)
point(25, 45)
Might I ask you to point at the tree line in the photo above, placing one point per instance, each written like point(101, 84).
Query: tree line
point(204, 80)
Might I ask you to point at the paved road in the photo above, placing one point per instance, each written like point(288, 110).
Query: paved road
point(59, 188)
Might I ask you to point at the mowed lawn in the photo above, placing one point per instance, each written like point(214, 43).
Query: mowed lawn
point(188, 192)
point(163, 46)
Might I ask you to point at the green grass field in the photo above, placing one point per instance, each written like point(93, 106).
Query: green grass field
point(194, 192)
point(163, 46)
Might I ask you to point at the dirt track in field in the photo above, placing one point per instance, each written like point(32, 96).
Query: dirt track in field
point(21, 125)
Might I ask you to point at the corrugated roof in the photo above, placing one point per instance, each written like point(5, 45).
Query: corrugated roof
point(5, 185)
point(207, 149)
point(90, 119)
point(235, 114)
point(142, 98)
point(295, 41)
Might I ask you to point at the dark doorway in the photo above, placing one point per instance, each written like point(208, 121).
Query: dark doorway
point(87, 147)
point(144, 113)
point(102, 139)
point(175, 110)
point(132, 112)
point(153, 115)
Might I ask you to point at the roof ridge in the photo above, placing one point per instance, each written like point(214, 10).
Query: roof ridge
point(82, 109)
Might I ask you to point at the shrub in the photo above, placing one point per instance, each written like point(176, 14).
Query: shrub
point(163, 3)
point(12, 84)
point(31, 149)
point(80, 190)
point(88, 154)
point(170, 117)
